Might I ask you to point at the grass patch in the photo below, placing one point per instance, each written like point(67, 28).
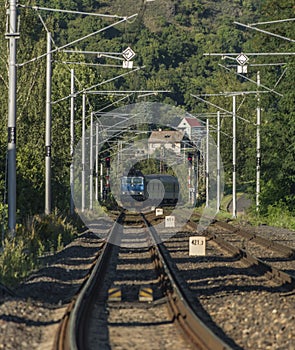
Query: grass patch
point(39, 235)
point(277, 215)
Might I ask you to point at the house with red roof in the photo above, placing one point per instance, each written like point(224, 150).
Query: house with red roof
point(191, 126)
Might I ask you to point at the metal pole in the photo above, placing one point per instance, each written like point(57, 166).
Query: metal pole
point(258, 156)
point(189, 183)
point(11, 146)
point(193, 182)
point(96, 161)
point(83, 151)
point(107, 185)
point(91, 164)
point(197, 177)
point(207, 163)
point(48, 129)
point(118, 161)
point(72, 132)
point(218, 163)
point(101, 181)
point(234, 159)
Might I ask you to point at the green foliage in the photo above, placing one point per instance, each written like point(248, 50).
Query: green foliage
point(278, 215)
point(39, 235)
point(169, 38)
point(53, 231)
point(3, 218)
point(14, 262)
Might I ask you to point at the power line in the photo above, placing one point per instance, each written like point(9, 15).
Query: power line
point(38, 8)
point(265, 32)
point(271, 22)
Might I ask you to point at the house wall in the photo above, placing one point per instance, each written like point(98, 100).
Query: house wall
point(175, 147)
point(184, 126)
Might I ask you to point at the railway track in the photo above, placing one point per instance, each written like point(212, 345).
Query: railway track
point(245, 298)
point(133, 298)
point(280, 256)
point(275, 259)
point(140, 291)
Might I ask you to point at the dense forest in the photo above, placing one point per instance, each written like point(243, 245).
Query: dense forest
point(170, 38)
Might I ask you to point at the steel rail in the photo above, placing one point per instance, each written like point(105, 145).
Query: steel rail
point(281, 248)
point(70, 335)
point(79, 318)
point(271, 272)
point(76, 319)
point(289, 252)
point(62, 339)
point(199, 334)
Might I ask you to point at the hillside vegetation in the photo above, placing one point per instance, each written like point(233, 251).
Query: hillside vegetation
point(170, 38)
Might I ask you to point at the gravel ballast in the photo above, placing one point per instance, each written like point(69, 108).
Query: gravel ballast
point(30, 319)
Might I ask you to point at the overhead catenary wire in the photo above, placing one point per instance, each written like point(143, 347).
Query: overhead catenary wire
point(91, 64)
point(280, 78)
point(115, 102)
point(74, 42)
point(265, 32)
point(98, 84)
point(40, 8)
point(252, 81)
point(272, 22)
point(220, 108)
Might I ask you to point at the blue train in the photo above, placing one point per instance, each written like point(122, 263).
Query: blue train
point(154, 187)
point(133, 185)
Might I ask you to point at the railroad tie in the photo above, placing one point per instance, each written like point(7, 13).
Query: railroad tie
point(145, 294)
point(115, 294)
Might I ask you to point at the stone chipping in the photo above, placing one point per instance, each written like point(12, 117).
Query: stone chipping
point(247, 310)
point(30, 318)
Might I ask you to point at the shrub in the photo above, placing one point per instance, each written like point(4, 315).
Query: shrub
point(40, 234)
point(279, 215)
point(15, 262)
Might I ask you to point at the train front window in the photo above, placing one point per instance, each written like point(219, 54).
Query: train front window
point(137, 181)
point(126, 180)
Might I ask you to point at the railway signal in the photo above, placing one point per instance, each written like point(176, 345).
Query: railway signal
point(190, 158)
point(108, 162)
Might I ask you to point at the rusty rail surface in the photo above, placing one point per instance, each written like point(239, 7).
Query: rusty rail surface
point(70, 334)
point(63, 339)
point(73, 329)
point(199, 334)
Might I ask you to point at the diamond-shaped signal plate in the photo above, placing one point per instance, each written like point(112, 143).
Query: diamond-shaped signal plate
point(128, 54)
point(242, 59)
